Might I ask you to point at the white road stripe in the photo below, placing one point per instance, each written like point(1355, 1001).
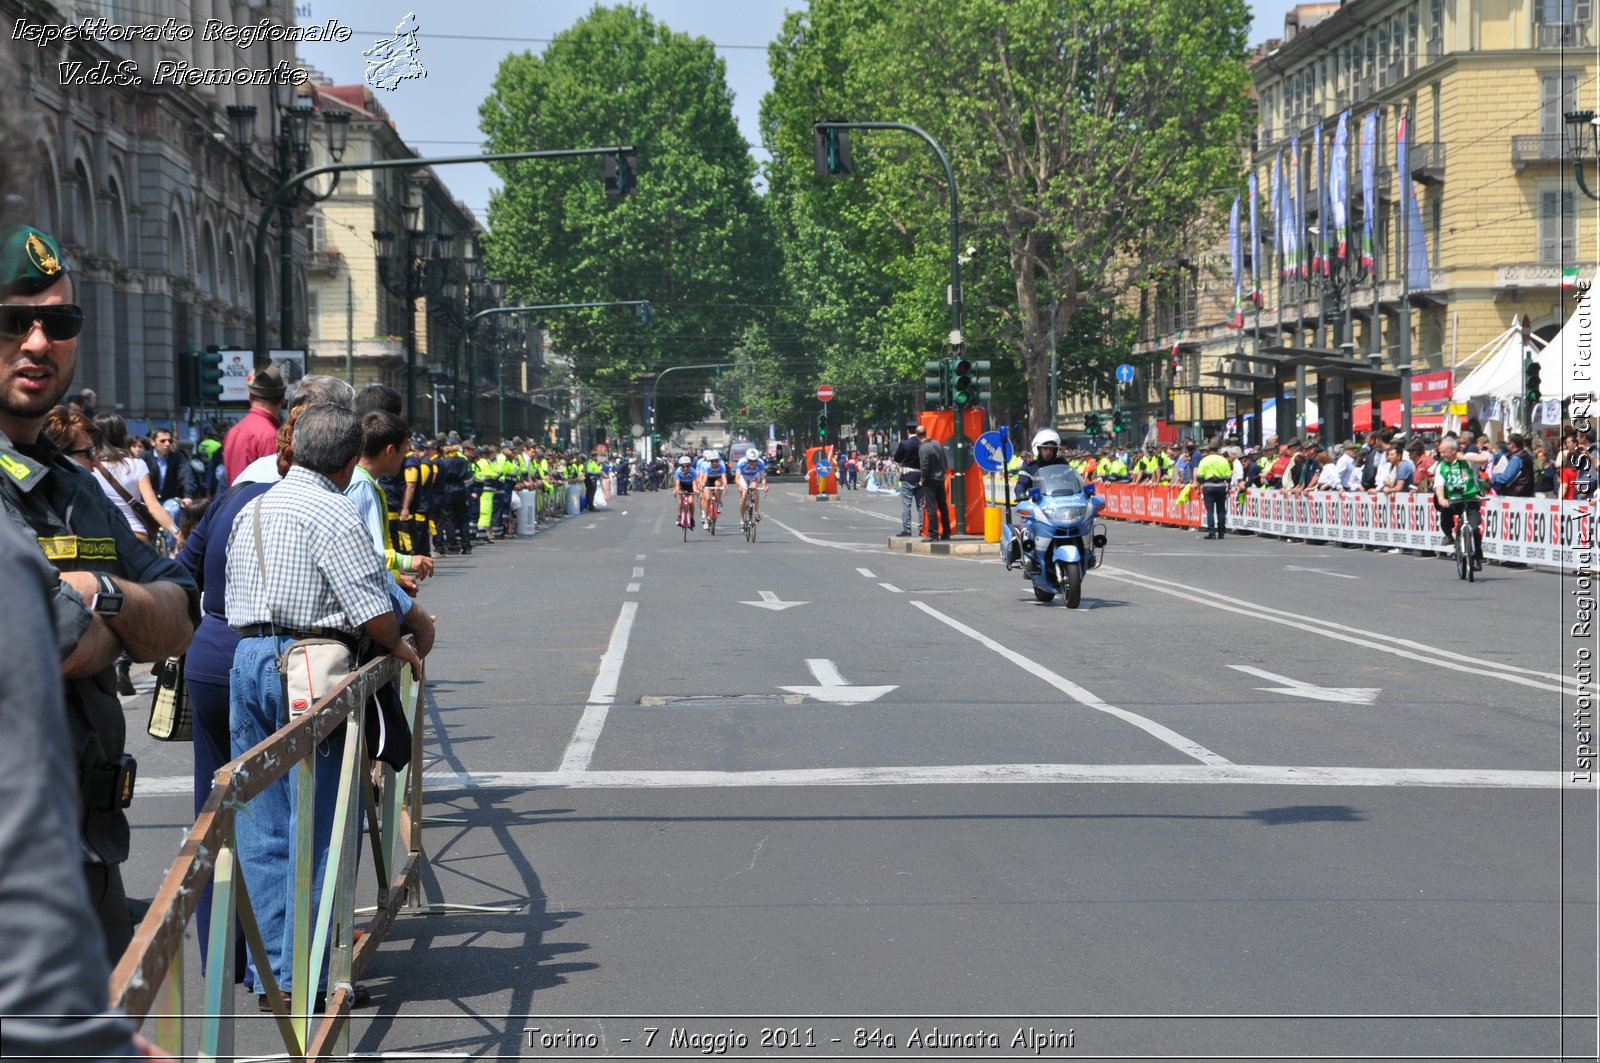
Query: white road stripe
point(891, 588)
point(633, 588)
point(1186, 746)
point(638, 571)
point(1426, 654)
point(440, 782)
point(867, 572)
point(581, 749)
point(638, 557)
point(814, 541)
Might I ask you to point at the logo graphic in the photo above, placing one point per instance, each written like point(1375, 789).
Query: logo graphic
point(40, 255)
point(394, 59)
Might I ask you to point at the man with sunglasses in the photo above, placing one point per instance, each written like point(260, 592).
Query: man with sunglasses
point(114, 592)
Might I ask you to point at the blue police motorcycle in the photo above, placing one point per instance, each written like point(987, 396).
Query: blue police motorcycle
point(1060, 539)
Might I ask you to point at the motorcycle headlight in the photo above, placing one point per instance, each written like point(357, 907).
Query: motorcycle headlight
point(1070, 513)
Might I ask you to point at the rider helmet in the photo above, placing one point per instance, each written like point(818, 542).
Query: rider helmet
point(713, 455)
point(683, 459)
point(752, 455)
point(1046, 437)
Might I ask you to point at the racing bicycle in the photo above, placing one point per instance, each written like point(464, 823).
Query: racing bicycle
point(750, 512)
point(1464, 544)
point(713, 506)
point(686, 512)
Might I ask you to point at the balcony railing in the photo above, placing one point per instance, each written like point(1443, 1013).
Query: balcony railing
point(1562, 34)
point(324, 261)
point(1436, 45)
point(1530, 148)
point(1427, 163)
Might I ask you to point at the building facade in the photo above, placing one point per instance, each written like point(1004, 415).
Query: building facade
point(1483, 88)
point(142, 184)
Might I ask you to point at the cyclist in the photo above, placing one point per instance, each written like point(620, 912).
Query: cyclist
point(713, 474)
point(1457, 488)
point(683, 484)
point(749, 474)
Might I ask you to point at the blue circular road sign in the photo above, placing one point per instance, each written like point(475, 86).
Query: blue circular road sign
point(991, 451)
point(1124, 373)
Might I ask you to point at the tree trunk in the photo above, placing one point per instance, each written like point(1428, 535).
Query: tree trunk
point(1035, 347)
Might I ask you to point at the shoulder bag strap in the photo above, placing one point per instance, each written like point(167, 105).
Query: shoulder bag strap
point(105, 474)
point(261, 555)
point(140, 510)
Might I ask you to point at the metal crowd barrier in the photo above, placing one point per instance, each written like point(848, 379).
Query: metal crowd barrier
point(149, 978)
point(1536, 531)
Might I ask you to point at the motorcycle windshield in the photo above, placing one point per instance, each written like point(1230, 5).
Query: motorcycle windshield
point(1058, 481)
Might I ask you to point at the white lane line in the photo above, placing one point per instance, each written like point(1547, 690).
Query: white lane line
point(633, 588)
point(1427, 654)
point(438, 782)
point(891, 588)
point(638, 557)
point(586, 527)
point(869, 513)
point(982, 774)
point(867, 572)
point(638, 572)
point(814, 541)
point(1083, 697)
point(581, 749)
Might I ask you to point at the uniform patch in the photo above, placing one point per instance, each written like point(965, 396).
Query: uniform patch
point(17, 471)
point(77, 548)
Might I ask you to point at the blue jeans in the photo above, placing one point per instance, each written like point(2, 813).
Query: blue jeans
point(265, 828)
point(910, 504)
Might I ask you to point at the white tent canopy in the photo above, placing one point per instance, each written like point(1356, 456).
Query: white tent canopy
point(1570, 365)
point(1499, 374)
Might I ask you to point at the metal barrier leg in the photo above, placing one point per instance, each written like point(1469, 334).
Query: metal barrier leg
point(169, 1009)
point(216, 1035)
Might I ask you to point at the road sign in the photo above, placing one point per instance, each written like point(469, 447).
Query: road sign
point(992, 451)
point(1124, 373)
point(825, 393)
point(824, 469)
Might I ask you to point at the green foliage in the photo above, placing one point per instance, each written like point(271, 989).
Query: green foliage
point(693, 239)
point(1085, 135)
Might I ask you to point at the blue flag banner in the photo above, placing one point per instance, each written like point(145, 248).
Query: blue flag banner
point(1280, 220)
point(1369, 163)
point(1339, 187)
point(1319, 252)
point(1238, 266)
point(1417, 271)
point(1255, 242)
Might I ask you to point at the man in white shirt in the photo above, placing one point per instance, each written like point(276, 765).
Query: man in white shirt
point(1348, 470)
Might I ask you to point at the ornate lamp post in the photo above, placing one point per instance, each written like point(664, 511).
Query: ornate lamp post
point(290, 141)
point(1580, 138)
point(411, 265)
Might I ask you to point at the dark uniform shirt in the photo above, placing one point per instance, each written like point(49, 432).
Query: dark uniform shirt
point(48, 495)
point(1030, 469)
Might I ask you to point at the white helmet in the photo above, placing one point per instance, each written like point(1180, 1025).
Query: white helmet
point(713, 455)
point(752, 455)
point(683, 459)
point(1046, 437)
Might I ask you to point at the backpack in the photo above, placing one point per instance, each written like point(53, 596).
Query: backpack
point(1522, 483)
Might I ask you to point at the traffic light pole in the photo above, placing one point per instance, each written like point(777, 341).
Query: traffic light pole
point(958, 442)
point(651, 399)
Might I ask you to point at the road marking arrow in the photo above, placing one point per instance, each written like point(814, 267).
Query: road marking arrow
point(834, 689)
point(1318, 571)
point(770, 601)
point(1348, 695)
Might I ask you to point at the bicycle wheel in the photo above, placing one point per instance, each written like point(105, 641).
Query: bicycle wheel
point(1469, 546)
point(1463, 557)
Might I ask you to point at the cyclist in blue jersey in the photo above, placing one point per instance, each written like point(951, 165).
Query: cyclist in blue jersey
point(713, 474)
point(750, 474)
point(684, 479)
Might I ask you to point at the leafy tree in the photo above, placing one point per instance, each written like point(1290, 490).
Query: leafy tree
point(694, 239)
point(1085, 134)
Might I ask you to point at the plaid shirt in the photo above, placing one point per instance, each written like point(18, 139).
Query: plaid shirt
point(325, 572)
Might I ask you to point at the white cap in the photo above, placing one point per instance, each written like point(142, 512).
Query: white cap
point(752, 455)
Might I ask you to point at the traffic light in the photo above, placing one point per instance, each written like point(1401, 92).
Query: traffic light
point(830, 149)
point(644, 314)
point(822, 423)
point(1530, 382)
point(1091, 423)
point(936, 384)
point(961, 382)
point(622, 173)
point(186, 378)
point(209, 375)
point(982, 381)
point(1118, 419)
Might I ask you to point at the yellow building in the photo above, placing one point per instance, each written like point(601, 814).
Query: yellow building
point(1484, 86)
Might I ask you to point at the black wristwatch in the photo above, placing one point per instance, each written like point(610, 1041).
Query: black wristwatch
point(107, 601)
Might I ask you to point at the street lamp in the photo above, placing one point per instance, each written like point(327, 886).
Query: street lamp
point(1580, 135)
point(413, 265)
point(290, 140)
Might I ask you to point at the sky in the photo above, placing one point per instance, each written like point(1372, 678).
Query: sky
point(462, 43)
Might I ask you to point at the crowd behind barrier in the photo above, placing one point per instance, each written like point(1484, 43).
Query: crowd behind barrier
point(1539, 531)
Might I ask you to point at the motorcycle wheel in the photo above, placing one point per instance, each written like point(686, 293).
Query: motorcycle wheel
point(1070, 576)
point(1042, 594)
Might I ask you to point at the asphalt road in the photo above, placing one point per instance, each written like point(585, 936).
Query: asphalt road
point(1254, 800)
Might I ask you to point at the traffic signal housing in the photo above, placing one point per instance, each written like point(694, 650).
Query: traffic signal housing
point(962, 382)
point(1091, 423)
point(622, 173)
point(209, 375)
point(830, 149)
point(1118, 419)
point(982, 382)
point(1531, 388)
point(936, 384)
point(822, 423)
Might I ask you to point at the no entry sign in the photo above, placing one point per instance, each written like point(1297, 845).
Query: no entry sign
point(825, 393)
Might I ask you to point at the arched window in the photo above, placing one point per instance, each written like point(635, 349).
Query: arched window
point(82, 222)
point(112, 226)
point(230, 270)
point(208, 260)
point(177, 252)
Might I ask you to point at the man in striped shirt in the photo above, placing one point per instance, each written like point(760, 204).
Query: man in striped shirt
point(301, 564)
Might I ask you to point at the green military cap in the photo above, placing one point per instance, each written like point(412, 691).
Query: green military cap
point(30, 261)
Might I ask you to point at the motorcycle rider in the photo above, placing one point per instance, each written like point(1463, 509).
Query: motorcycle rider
point(1046, 452)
